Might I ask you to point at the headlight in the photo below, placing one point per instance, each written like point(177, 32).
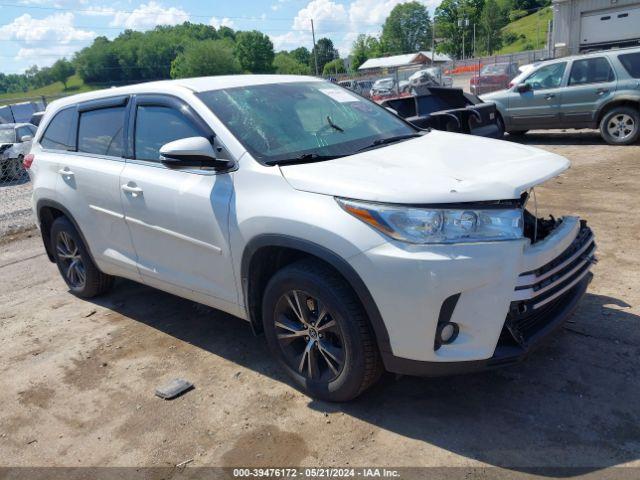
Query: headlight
point(436, 225)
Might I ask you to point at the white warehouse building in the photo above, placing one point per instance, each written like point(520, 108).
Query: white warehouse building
point(584, 25)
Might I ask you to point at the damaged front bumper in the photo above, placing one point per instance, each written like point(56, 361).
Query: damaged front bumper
point(548, 279)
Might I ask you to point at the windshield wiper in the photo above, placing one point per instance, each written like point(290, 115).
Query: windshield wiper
point(384, 141)
point(333, 125)
point(304, 158)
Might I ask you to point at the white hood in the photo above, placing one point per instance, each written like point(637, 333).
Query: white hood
point(440, 167)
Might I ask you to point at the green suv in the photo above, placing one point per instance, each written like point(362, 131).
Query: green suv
point(595, 90)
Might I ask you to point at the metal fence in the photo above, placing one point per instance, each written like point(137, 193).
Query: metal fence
point(15, 197)
point(459, 73)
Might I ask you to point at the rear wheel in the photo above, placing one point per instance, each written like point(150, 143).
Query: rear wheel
point(81, 275)
point(620, 126)
point(319, 333)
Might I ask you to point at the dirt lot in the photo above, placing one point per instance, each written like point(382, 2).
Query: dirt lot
point(78, 377)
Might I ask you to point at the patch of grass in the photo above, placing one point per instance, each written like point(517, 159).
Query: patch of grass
point(74, 85)
point(531, 32)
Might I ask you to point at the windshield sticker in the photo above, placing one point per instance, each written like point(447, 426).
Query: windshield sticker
point(339, 95)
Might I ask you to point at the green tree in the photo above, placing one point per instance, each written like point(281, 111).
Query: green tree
point(99, 62)
point(407, 29)
point(449, 18)
point(254, 51)
point(207, 57)
point(334, 67)
point(325, 52)
point(286, 63)
point(364, 47)
point(61, 71)
point(491, 22)
point(301, 55)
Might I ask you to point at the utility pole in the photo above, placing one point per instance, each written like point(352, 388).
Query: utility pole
point(315, 50)
point(474, 41)
point(463, 22)
point(433, 40)
point(537, 30)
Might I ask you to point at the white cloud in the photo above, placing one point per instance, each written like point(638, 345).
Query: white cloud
point(341, 23)
point(149, 15)
point(217, 23)
point(94, 11)
point(326, 15)
point(44, 40)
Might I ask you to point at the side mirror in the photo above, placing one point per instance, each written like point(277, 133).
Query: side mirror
point(191, 152)
point(26, 138)
point(523, 88)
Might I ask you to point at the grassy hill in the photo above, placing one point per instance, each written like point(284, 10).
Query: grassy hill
point(74, 85)
point(530, 32)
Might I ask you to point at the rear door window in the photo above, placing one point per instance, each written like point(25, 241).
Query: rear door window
point(591, 70)
point(157, 125)
point(58, 133)
point(631, 63)
point(101, 132)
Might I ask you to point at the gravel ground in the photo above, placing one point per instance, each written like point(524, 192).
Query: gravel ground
point(78, 376)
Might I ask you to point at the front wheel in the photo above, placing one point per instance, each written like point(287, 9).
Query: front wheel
point(620, 126)
point(81, 275)
point(318, 331)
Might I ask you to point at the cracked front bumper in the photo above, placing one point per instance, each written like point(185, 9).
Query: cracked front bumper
point(511, 295)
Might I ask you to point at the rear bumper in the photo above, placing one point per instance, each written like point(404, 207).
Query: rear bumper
point(507, 352)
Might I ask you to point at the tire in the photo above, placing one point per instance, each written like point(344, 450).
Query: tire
point(517, 133)
point(81, 275)
point(500, 124)
point(620, 126)
point(336, 357)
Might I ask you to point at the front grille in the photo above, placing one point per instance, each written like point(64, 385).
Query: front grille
point(548, 282)
point(540, 295)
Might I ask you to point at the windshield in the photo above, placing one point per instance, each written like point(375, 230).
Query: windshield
point(497, 69)
point(7, 135)
point(279, 122)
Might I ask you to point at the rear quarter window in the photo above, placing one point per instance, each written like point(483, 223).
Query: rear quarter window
point(101, 132)
point(58, 133)
point(631, 63)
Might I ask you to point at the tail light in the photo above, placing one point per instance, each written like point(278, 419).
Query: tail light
point(28, 160)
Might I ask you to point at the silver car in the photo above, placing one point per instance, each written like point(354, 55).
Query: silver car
point(15, 143)
point(596, 90)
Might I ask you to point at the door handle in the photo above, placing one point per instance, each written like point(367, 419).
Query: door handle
point(66, 172)
point(550, 96)
point(134, 191)
point(602, 91)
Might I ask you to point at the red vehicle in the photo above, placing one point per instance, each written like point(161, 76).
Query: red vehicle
point(493, 77)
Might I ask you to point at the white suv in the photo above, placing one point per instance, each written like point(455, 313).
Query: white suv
point(354, 241)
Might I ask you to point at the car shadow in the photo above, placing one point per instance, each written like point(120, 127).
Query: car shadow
point(572, 403)
point(558, 137)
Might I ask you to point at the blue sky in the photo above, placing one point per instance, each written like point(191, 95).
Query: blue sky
point(40, 31)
